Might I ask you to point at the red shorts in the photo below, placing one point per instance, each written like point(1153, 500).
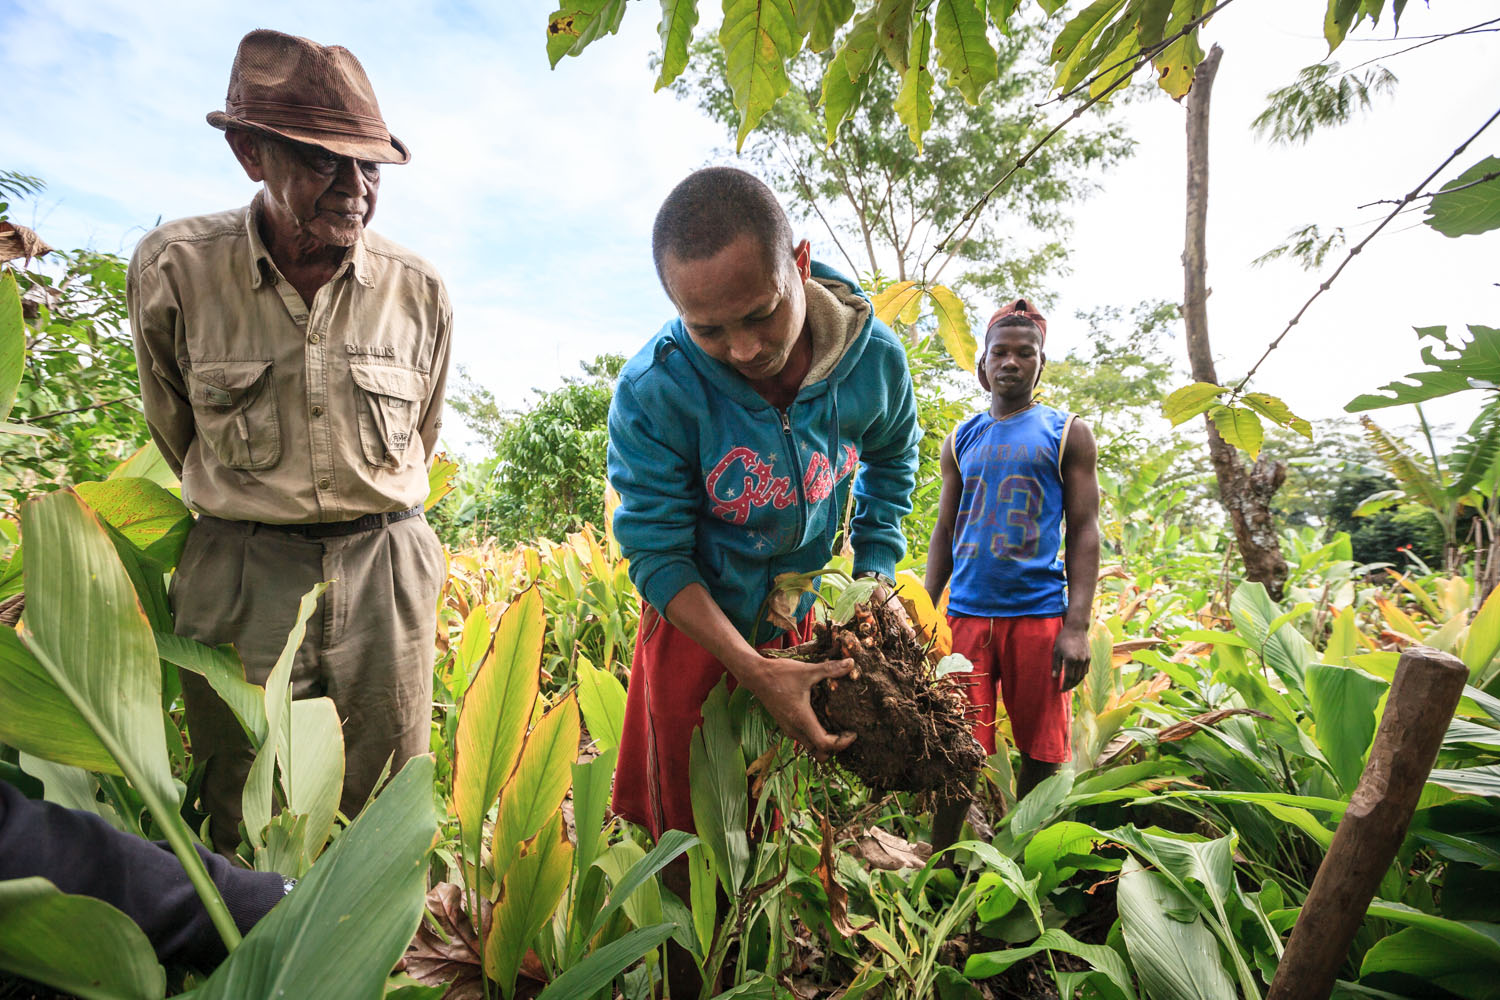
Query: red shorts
point(1014, 656)
point(670, 677)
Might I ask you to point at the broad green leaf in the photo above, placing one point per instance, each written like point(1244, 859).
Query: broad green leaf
point(86, 629)
point(843, 86)
point(1380, 500)
point(1338, 20)
point(1175, 959)
point(75, 788)
point(678, 19)
point(442, 475)
point(703, 888)
point(222, 668)
point(146, 463)
point(1276, 411)
point(1343, 640)
point(1118, 65)
point(312, 776)
point(492, 720)
point(1484, 636)
point(1240, 427)
point(591, 786)
point(1483, 780)
point(39, 718)
point(914, 99)
point(337, 935)
point(820, 20)
point(582, 981)
point(1474, 364)
point(1048, 852)
point(1191, 400)
point(1473, 210)
point(473, 645)
point(953, 326)
point(540, 783)
point(578, 23)
point(255, 799)
point(601, 698)
point(721, 803)
point(1474, 457)
point(894, 23)
point(1040, 805)
point(1102, 957)
point(76, 944)
point(1071, 49)
point(758, 37)
point(672, 844)
point(1285, 650)
point(850, 598)
point(894, 300)
point(533, 887)
point(12, 342)
point(1460, 956)
point(149, 518)
point(964, 49)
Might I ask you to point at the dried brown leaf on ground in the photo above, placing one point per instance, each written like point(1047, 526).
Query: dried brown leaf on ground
point(838, 898)
point(880, 849)
point(1187, 727)
point(449, 953)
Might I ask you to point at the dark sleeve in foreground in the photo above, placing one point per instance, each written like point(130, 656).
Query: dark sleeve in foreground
point(83, 855)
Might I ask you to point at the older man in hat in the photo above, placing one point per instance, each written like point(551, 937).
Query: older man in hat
point(292, 369)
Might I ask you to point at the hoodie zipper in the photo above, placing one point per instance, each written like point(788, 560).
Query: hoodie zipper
point(791, 446)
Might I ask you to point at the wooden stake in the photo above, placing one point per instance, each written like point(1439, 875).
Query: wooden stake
point(1423, 696)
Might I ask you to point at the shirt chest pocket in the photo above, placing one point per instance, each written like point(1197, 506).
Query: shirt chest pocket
point(234, 412)
point(388, 400)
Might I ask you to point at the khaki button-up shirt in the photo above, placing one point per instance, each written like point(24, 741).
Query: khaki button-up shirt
point(271, 410)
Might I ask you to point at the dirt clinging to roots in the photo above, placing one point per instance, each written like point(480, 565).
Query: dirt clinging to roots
point(911, 728)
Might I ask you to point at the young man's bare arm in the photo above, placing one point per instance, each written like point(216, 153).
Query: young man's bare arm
point(1080, 482)
point(783, 685)
point(940, 549)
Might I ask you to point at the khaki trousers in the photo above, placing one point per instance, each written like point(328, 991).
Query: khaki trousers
point(369, 644)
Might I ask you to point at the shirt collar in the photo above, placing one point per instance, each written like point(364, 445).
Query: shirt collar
point(261, 264)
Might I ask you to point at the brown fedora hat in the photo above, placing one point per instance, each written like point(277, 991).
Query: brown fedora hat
point(293, 88)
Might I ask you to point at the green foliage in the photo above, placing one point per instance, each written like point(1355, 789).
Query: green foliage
point(1307, 246)
point(1471, 364)
point(1382, 537)
point(75, 943)
point(1473, 209)
point(1322, 96)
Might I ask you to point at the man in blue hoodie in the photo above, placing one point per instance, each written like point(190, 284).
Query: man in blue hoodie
point(736, 435)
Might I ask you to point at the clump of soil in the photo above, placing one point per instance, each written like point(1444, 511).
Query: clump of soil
point(911, 728)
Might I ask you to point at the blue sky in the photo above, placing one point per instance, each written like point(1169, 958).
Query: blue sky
point(533, 190)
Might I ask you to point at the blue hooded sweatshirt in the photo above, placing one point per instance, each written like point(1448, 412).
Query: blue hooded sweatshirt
point(719, 487)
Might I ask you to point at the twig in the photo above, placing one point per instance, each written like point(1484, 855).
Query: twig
point(1433, 194)
point(1354, 251)
point(971, 217)
point(78, 409)
point(1474, 29)
point(807, 192)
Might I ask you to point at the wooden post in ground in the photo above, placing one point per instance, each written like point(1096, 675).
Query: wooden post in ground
point(1423, 696)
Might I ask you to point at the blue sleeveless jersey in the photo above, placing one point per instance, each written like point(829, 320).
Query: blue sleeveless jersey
point(1007, 537)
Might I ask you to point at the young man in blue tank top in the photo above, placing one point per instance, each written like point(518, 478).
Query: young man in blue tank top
point(1013, 475)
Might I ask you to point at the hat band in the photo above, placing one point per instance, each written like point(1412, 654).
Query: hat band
point(279, 115)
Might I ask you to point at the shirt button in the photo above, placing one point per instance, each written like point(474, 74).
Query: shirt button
point(323, 483)
point(313, 338)
point(317, 411)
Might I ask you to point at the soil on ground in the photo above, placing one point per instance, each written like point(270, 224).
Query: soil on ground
point(911, 728)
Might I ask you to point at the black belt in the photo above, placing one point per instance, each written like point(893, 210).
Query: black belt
point(335, 529)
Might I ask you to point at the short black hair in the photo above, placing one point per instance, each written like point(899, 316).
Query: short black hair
point(1015, 319)
point(712, 208)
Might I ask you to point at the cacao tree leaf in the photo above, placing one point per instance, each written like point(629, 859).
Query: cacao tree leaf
point(12, 342)
point(758, 37)
point(1191, 400)
point(964, 49)
point(492, 719)
point(895, 299)
point(530, 893)
point(1339, 18)
point(1276, 411)
point(575, 25)
point(1071, 49)
point(1000, 12)
point(1240, 427)
point(1175, 63)
point(1463, 213)
point(894, 23)
point(77, 944)
point(540, 783)
point(678, 19)
point(1471, 365)
point(914, 99)
point(820, 20)
point(845, 78)
point(953, 326)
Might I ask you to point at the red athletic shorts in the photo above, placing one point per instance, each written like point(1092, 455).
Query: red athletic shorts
point(670, 677)
point(1014, 656)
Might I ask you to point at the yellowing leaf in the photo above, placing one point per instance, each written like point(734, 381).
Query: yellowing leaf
point(532, 889)
point(893, 23)
point(964, 49)
point(1276, 411)
point(577, 24)
point(12, 342)
point(440, 480)
point(1240, 427)
point(492, 719)
point(540, 782)
point(1175, 63)
point(914, 99)
point(758, 37)
point(820, 20)
point(931, 624)
point(611, 504)
point(678, 18)
point(953, 326)
point(896, 299)
point(1191, 400)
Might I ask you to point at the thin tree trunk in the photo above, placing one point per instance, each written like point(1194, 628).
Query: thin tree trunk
point(1245, 496)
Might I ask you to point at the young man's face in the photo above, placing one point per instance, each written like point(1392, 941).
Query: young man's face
point(738, 308)
point(1013, 360)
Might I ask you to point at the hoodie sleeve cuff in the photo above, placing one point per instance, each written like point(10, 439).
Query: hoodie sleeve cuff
point(876, 558)
point(659, 585)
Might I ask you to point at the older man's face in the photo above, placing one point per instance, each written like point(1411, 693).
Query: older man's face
point(310, 192)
